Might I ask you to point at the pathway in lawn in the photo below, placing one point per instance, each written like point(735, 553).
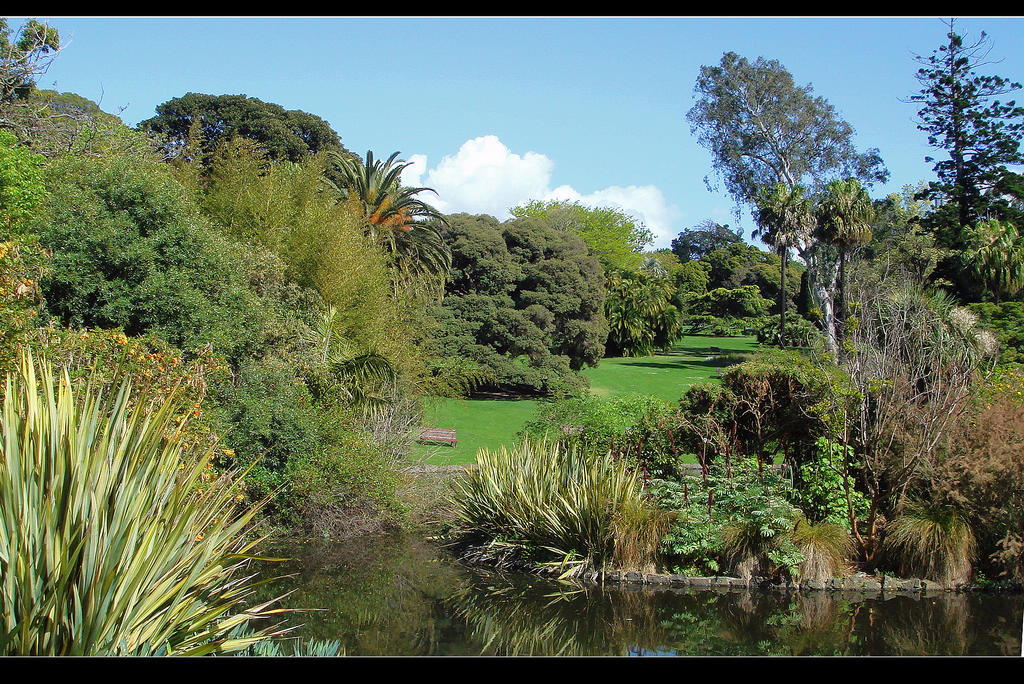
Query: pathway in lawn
point(491, 423)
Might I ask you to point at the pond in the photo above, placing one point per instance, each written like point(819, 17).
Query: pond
point(406, 596)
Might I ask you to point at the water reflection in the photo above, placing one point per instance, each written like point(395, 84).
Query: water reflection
point(406, 597)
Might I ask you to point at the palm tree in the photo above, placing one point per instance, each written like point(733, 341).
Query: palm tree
point(844, 217)
point(995, 254)
point(394, 218)
point(640, 313)
point(783, 215)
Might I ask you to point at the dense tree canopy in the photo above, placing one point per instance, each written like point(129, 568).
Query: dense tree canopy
point(130, 251)
point(616, 238)
point(524, 300)
point(288, 134)
point(704, 238)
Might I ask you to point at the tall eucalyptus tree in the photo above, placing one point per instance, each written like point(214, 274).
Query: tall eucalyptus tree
point(762, 128)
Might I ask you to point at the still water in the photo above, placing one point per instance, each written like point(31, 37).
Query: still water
point(406, 596)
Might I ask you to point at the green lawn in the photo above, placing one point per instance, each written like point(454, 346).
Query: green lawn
point(491, 423)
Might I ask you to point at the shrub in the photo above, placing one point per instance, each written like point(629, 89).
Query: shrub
point(556, 507)
point(344, 488)
point(1007, 321)
point(934, 542)
point(826, 548)
point(979, 470)
point(822, 484)
point(737, 519)
point(131, 251)
point(271, 420)
point(799, 331)
point(632, 426)
point(110, 544)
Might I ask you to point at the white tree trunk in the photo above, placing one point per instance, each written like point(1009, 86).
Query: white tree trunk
point(822, 274)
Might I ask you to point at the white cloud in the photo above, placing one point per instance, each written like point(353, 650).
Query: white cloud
point(485, 177)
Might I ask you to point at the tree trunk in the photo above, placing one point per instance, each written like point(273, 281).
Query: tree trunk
point(782, 298)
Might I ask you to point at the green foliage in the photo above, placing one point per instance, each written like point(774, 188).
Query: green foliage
point(288, 209)
point(130, 252)
point(641, 315)
point(23, 56)
point(524, 301)
point(762, 128)
point(739, 265)
point(284, 134)
point(735, 519)
point(779, 401)
point(994, 255)
point(740, 302)
point(559, 507)
point(140, 556)
point(706, 237)
point(590, 423)
point(1006, 320)
point(693, 544)
point(799, 332)
point(273, 420)
point(342, 488)
point(453, 378)
point(320, 469)
point(823, 482)
point(934, 542)
point(614, 237)
point(962, 115)
point(394, 218)
point(22, 188)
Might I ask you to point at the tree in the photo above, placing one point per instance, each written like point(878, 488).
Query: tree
point(22, 184)
point(994, 254)
point(704, 238)
point(783, 215)
point(394, 217)
point(762, 129)
point(844, 217)
point(961, 115)
point(525, 301)
point(24, 56)
point(616, 238)
point(640, 312)
point(284, 134)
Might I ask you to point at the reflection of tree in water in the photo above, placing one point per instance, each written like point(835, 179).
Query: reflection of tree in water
point(376, 597)
point(405, 597)
point(950, 624)
point(547, 618)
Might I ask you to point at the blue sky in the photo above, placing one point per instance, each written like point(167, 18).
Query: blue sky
point(498, 111)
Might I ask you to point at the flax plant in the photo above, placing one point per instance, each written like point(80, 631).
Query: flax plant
point(562, 505)
point(109, 543)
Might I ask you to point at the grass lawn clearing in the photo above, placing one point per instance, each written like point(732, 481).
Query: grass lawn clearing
point(491, 423)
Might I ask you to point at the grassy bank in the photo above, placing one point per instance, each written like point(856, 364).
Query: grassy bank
point(491, 423)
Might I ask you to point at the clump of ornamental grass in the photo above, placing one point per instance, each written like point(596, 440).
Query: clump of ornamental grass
point(555, 506)
point(934, 542)
point(826, 549)
point(110, 543)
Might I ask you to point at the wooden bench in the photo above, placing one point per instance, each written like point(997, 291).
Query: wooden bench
point(438, 435)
